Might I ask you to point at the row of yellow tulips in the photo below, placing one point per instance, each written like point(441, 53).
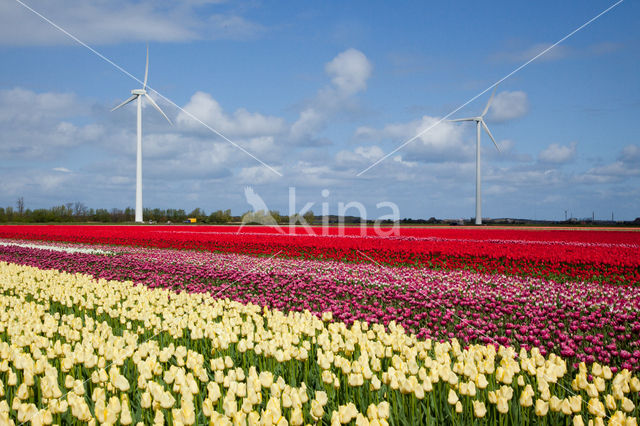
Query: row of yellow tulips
point(78, 350)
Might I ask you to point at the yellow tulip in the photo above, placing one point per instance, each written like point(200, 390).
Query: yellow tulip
point(542, 407)
point(317, 410)
point(253, 419)
point(627, 405)
point(555, 403)
point(575, 402)
point(383, 410)
point(23, 392)
point(145, 400)
point(125, 415)
point(158, 418)
point(296, 417)
point(595, 407)
point(610, 402)
point(452, 397)
point(479, 409)
point(502, 405)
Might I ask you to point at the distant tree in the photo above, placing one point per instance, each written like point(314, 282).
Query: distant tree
point(117, 215)
point(58, 213)
point(158, 215)
point(129, 214)
point(42, 216)
point(219, 216)
point(20, 206)
point(102, 215)
point(3, 215)
point(309, 216)
point(176, 215)
point(79, 210)
point(275, 214)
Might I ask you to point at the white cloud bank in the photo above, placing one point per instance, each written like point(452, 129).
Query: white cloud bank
point(241, 123)
point(115, 21)
point(442, 142)
point(558, 154)
point(38, 126)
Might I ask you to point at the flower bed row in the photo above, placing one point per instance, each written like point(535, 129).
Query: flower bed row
point(75, 350)
point(600, 258)
point(579, 321)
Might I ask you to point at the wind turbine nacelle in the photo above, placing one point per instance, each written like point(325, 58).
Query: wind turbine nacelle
point(138, 92)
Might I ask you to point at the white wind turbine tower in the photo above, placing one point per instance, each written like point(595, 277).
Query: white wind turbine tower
point(480, 123)
point(138, 94)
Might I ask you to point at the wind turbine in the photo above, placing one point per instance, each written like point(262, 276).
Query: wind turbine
point(138, 94)
point(480, 123)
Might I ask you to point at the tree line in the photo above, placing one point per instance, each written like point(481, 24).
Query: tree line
point(78, 212)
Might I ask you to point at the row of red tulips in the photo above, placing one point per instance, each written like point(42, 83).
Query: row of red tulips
point(602, 256)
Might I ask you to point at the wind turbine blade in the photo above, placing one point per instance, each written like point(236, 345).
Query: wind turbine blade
point(155, 105)
point(125, 102)
point(146, 70)
point(490, 99)
point(490, 135)
point(462, 119)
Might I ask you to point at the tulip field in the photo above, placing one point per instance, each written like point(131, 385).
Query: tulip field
point(186, 325)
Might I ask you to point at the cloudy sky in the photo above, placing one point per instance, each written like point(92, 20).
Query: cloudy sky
point(310, 95)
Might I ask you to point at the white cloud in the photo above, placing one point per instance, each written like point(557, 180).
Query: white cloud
point(37, 125)
point(349, 71)
point(627, 166)
point(241, 123)
point(630, 154)
point(441, 142)
point(109, 22)
point(26, 107)
point(361, 155)
point(508, 105)
point(308, 123)
point(558, 154)
point(61, 170)
point(257, 175)
point(615, 169)
point(27, 181)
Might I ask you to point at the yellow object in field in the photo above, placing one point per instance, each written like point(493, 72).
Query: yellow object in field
point(192, 220)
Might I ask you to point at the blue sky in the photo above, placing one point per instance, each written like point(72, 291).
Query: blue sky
point(320, 91)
